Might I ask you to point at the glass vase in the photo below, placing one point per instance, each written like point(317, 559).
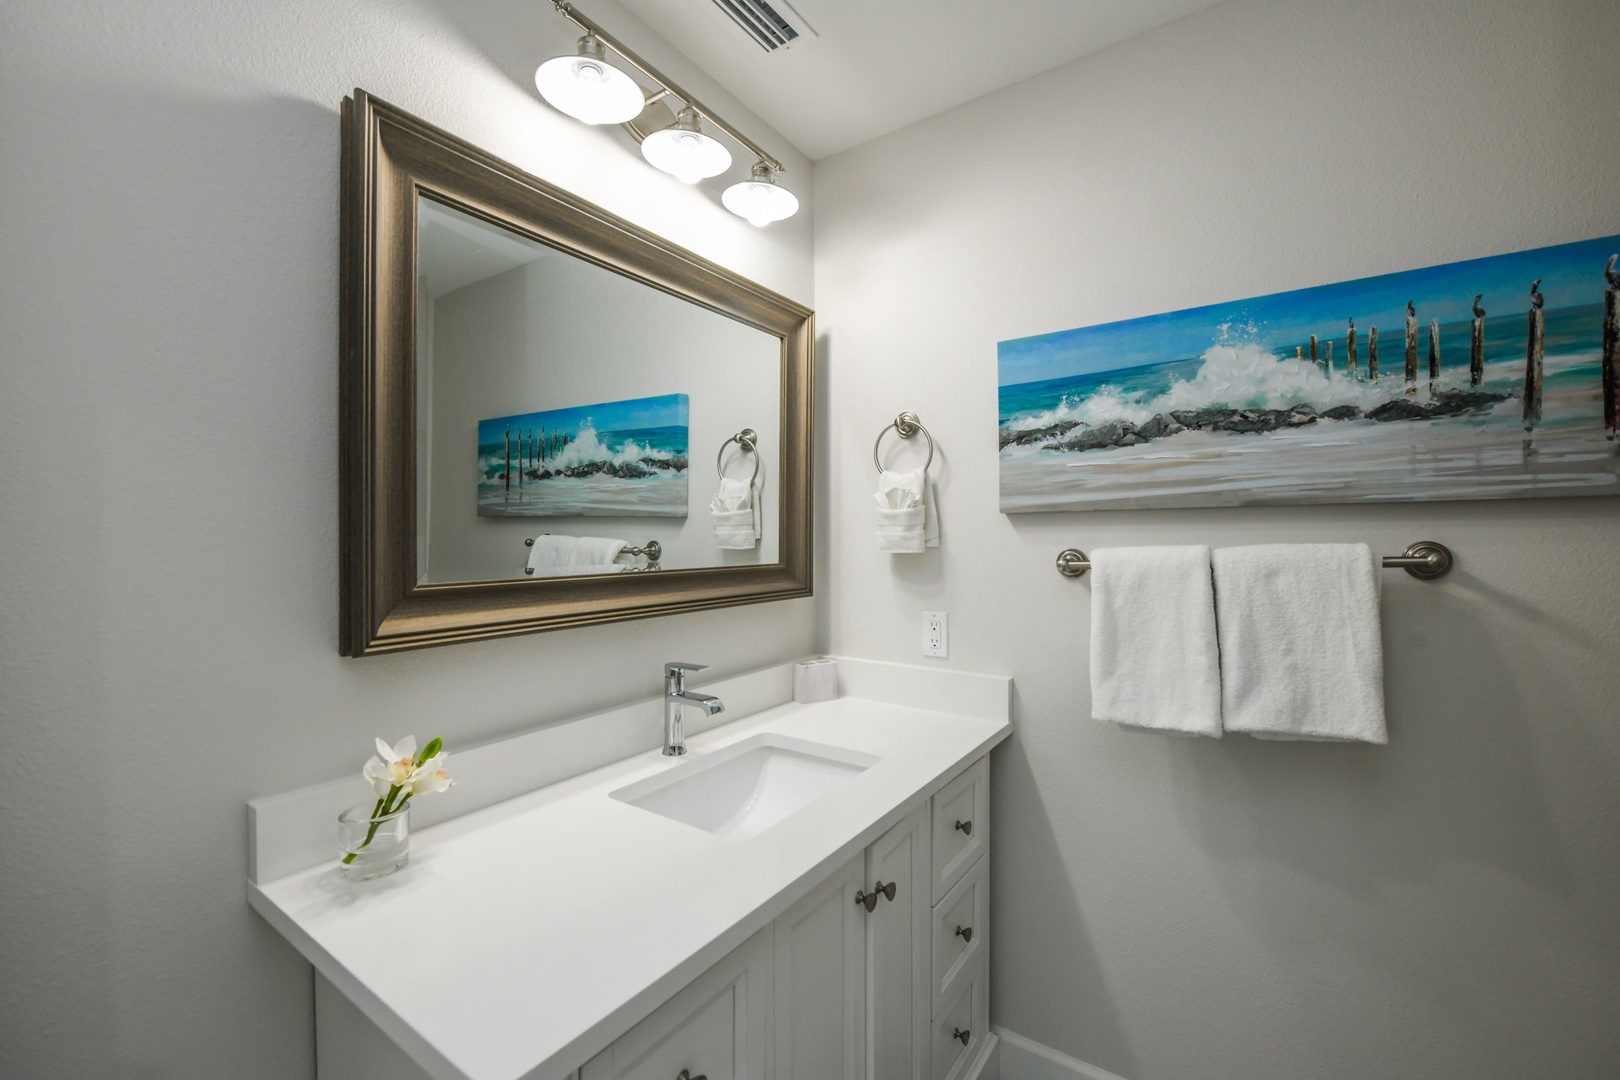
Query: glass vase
point(370, 847)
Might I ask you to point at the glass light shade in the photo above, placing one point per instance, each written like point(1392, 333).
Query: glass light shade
point(588, 88)
point(685, 152)
point(760, 198)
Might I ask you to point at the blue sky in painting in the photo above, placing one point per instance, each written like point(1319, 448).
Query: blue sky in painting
point(1572, 275)
point(637, 414)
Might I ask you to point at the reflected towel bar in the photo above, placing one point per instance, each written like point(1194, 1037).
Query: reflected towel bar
point(652, 549)
point(1424, 559)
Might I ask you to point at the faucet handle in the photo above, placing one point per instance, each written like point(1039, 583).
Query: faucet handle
point(673, 666)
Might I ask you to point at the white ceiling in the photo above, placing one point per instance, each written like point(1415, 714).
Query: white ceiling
point(878, 65)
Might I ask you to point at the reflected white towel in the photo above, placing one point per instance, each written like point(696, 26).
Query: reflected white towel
point(1302, 654)
point(1154, 660)
point(735, 512)
point(906, 518)
point(551, 555)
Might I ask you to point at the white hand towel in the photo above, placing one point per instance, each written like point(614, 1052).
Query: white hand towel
point(1154, 660)
point(1302, 654)
point(552, 554)
point(735, 512)
point(906, 519)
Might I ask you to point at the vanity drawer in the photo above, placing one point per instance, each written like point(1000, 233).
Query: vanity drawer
point(718, 1026)
point(961, 825)
point(960, 1028)
point(961, 933)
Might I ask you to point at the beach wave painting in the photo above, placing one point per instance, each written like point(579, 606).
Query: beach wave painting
point(1494, 378)
point(619, 458)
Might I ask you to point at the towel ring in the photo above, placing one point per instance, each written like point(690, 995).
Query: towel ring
point(905, 425)
point(745, 439)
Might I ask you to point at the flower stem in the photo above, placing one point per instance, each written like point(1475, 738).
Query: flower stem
point(383, 808)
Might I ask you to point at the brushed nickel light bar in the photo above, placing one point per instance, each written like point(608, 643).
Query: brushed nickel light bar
point(667, 85)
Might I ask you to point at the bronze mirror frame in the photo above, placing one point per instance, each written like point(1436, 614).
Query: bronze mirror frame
point(389, 158)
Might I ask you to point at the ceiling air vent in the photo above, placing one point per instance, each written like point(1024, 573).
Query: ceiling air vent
point(774, 27)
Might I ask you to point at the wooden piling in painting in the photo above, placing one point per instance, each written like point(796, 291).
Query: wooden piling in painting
point(1350, 347)
point(1534, 359)
point(1434, 354)
point(1611, 351)
point(1315, 359)
point(507, 475)
point(1299, 353)
point(1411, 350)
point(1327, 358)
point(1476, 348)
point(1372, 353)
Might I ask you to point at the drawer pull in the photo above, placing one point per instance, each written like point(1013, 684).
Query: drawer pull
point(688, 1076)
point(965, 827)
point(965, 933)
point(957, 1033)
point(869, 900)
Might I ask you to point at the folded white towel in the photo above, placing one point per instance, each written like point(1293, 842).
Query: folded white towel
point(735, 511)
point(906, 518)
point(1302, 653)
point(552, 554)
point(1154, 660)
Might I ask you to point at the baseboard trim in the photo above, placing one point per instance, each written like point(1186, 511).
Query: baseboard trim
point(1026, 1059)
point(984, 1065)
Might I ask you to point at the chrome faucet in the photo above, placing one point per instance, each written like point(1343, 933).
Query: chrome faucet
point(677, 697)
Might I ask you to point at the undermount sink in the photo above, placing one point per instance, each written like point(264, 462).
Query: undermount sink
point(742, 790)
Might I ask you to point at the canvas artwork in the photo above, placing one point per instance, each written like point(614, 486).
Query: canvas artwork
point(1494, 378)
point(618, 458)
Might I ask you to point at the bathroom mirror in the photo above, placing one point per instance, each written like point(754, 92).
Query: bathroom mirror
point(542, 403)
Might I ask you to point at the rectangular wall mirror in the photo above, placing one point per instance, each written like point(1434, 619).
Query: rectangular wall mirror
point(550, 416)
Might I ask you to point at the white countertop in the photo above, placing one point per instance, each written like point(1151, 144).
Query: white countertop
point(523, 938)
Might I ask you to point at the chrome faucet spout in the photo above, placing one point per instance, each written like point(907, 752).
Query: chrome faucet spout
point(676, 698)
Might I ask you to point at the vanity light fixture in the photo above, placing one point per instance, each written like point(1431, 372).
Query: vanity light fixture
point(760, 198)
point(589, 88)
point(685, 152)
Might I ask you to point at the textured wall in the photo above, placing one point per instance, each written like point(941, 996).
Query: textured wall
point(1176, 910)
point(168, 489)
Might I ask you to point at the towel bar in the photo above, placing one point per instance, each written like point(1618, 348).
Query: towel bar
point(652, 549)
point(1425, 559)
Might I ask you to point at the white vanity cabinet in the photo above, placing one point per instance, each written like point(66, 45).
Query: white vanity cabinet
point(578, 929)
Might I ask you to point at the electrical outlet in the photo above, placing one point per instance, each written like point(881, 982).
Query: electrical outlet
point(935, 641)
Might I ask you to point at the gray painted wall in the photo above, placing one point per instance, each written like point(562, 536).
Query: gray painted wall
point(168, 489)
point(1444, 907)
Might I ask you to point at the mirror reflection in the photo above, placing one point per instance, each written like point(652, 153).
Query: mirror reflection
point(572, 421)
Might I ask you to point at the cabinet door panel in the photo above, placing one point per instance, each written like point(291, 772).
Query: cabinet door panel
point(961, 931)
point(898, 951)
point(821, 982)
point(718, 1026)
point(961, 825)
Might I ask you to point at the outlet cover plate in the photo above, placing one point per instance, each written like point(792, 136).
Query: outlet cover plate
point(936, 640)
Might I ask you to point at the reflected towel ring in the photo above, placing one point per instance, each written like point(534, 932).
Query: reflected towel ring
point(745, 439)
point(905, 425)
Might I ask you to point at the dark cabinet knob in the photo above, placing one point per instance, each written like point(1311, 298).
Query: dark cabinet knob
point(869, 900)
point(685, 1075)
point(958, 1033)
point(965, 827)
point(965, 933)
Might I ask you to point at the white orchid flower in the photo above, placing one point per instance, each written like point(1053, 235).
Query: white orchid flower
point(432, 777)
point(393, 767)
